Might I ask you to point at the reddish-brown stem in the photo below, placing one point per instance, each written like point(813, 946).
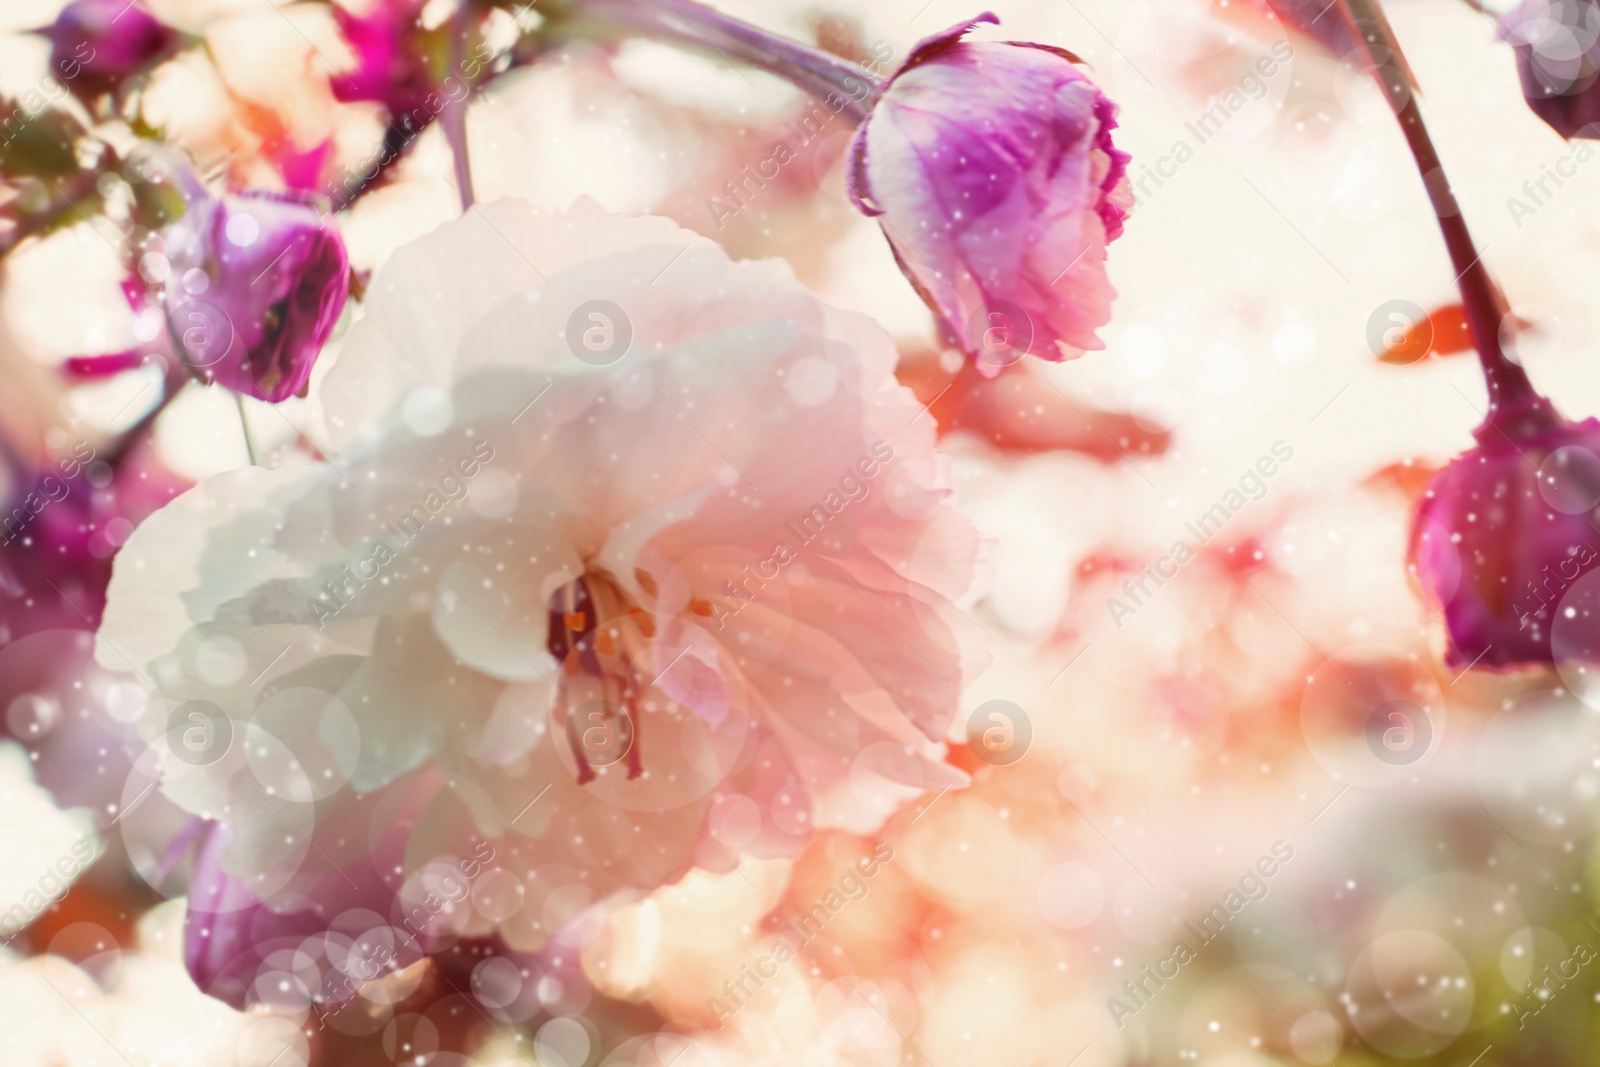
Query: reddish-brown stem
point(1508, 385)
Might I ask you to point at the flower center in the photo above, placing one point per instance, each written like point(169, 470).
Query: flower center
point(601, 638)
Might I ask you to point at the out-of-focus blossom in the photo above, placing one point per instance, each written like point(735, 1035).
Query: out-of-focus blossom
point(1444, 332)
point(1021, 411)
point(301, 169)
point(230, 931)
point(257, 283)
point(95, 992)
point(97, 44)
point(390, 67)
point(991, 169)
point(49, 577)
point(154, 351)
point(264, 133)
point(640, 563)
point(1558, 60)
point(59, 532)
point(359, 922)
point(1505, 530)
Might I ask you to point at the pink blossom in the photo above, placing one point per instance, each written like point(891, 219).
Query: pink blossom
point(991, 169)
point(617, 569)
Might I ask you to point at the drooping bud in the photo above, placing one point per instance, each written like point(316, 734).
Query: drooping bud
point(257, 283)
point(1558, 60)
point(991, 169)
point(1503, 534)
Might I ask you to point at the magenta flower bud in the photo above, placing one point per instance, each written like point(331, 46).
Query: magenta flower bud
point(1558, 60)
point(991, 169)
point(256, 285)
point(97, 44)
point(1504, 532)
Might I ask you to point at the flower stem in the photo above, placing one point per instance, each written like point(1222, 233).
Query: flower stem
point(455, 131)
point(704, 29)
point(455, 111)
point(1508, 384)
point(244, 426)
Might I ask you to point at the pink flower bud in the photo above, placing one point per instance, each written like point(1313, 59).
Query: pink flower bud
point(96, 44)
point(991, 168)
point(1504, 532)
point(1558, 59)
point(256, 285)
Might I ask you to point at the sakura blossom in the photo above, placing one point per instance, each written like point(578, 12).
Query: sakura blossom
point(711, 627)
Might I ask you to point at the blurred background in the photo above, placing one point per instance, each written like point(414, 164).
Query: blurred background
point(1402, 855)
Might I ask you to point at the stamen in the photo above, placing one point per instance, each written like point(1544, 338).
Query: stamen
point(635, 760)
point(597, 634)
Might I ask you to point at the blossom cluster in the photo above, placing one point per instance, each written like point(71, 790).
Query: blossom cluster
point(479, 583)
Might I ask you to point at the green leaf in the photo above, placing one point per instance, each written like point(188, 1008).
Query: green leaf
point(37, 143)
point(155, 204)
